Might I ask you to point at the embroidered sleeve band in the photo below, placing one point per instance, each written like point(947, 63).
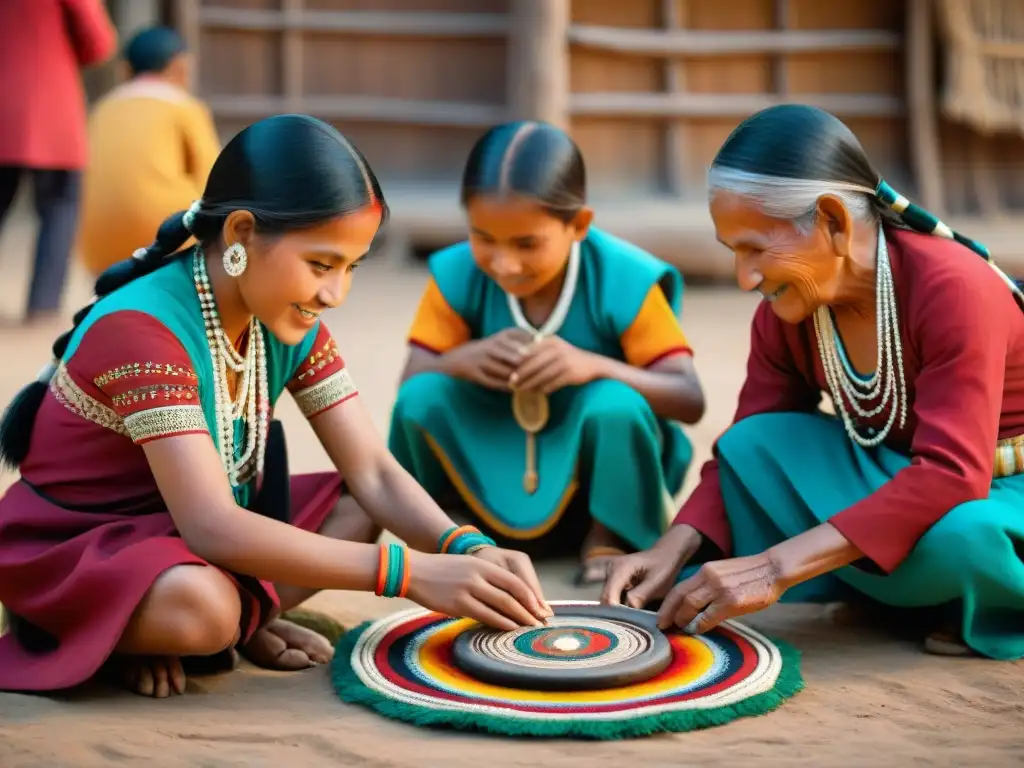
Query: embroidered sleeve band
point(326, 393)
point(169, 421)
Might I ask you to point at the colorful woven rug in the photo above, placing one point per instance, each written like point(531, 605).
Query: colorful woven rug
point(412, 666)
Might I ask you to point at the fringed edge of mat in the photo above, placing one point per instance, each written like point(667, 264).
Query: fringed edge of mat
point(352, 690)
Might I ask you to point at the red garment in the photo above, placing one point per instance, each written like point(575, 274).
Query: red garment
point(84, 533)
point(963, 357)
point(43, 43)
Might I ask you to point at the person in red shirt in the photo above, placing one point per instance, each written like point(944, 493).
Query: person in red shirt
point(43, 45)
point(912, 495)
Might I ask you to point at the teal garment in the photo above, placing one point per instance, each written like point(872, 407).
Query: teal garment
point(777, 487)
point(169, 296)
point(602, 438)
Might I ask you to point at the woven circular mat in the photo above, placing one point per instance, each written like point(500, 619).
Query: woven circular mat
point(432, 670)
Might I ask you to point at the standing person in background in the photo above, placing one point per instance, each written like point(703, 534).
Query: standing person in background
point(152, 145)
point(43, 44)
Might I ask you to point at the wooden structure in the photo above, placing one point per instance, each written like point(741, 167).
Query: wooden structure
point(649, 89)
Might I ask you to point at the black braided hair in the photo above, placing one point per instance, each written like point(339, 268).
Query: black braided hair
point(532, 159)
point(289, 171)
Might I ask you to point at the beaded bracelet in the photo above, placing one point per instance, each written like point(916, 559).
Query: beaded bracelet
point(393, 571)
point(463, 540)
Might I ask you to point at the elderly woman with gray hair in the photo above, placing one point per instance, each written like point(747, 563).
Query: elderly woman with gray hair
point(912, 494)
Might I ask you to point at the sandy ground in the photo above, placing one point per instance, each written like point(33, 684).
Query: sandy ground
point(871, 699)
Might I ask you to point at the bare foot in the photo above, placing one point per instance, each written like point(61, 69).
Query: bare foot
point(155, 676)
point(284, 645)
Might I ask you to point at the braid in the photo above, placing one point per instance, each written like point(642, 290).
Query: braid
point(918, 219)
point(19, 418)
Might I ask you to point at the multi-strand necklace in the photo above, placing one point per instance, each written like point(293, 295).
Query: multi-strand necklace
point(251, 401)
point(886, 385)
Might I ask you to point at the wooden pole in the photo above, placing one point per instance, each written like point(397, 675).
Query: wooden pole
point(922, 110)
point(292, 55)
point(675, 14)
point(538, 61)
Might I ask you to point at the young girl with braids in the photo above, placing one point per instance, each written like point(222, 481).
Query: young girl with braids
point(540, 309)
point(154, 525)
point(912, 495)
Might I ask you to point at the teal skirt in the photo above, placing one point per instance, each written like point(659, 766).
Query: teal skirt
point(784, 473)
point(602, 443)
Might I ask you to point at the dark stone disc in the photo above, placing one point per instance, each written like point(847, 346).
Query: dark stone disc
point(585, 647)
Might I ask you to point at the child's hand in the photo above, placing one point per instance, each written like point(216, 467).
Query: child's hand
point(471, 587)
point(553, 364)
point(491, 361)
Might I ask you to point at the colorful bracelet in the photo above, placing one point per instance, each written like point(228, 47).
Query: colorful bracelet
point(463, 540)
point(393, 571)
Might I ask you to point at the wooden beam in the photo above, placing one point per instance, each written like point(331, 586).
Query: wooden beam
point(922, 107)
point(538, 61)
point(365, 108)
point(679, 231)
point(707, 105)
point(388, 23)
point(647, 42)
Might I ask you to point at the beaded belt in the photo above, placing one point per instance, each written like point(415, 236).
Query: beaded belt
point(1009, 457)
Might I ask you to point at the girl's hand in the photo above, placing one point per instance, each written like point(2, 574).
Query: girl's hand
point(520, 564)
point(553, 364)
point(490, 362)
point(472, 587)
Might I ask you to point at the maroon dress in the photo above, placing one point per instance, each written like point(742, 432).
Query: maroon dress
point(84, 533)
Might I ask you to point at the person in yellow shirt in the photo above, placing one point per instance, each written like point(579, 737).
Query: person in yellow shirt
point(151, 146)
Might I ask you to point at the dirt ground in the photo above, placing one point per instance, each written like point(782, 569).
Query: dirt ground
point(870, 699)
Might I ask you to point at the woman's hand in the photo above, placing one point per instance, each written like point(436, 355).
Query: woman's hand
point(553, 364)
point(722, 590)
point(520, 564)
point(648, 575)
point(490, 362)
point(460, 585)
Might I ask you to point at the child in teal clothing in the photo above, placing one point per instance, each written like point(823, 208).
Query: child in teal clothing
point(541, 311)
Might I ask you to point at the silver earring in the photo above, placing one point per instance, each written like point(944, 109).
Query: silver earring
point(235, 259)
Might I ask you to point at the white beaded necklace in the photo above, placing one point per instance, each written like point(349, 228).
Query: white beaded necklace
point(560, 311)
point(251, 403)
point(887, 383)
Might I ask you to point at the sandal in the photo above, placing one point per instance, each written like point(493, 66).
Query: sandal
point(946, 643)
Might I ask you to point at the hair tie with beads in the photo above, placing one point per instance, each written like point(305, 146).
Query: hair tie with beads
point(188, 218)
point(920, 220)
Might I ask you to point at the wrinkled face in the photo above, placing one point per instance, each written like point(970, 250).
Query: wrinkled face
point(518, 244)
point(292, 278)
point(796, 272)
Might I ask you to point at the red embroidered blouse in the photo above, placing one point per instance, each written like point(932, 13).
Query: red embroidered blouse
point(963, 352)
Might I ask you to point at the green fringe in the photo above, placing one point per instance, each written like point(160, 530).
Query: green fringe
point(351, 689)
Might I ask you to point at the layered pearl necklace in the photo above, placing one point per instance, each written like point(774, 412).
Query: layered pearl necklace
point(251, 403)
point(560, 312)
point(887, 384)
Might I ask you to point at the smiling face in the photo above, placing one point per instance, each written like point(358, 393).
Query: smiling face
point(797, 272)
point(519, 244)
point(292, 278)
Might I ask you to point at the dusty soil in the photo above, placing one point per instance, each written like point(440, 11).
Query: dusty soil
point(871, 699)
